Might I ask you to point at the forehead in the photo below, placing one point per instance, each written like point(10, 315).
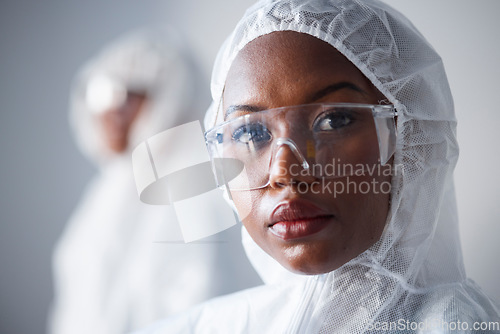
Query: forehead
point(283, 47)
point(287, 66)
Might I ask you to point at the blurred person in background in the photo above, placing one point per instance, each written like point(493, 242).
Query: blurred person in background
point(113, 269)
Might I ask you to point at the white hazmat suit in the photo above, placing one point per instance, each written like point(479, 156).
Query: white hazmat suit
point(121, 264)
point(413, 278)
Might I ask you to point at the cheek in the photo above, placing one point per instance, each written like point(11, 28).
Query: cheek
point(244, 202)
point(365, 207)
point(362, 205)
point(364, 150)
point(253, 211)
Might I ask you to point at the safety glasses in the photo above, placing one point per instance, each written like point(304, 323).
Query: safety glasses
point(315, 140)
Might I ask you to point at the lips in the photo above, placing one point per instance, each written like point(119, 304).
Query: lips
point(298, 219)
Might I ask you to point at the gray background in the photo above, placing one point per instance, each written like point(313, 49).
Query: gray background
point(42, 175)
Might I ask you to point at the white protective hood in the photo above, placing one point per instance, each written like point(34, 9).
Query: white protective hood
point(414, 275)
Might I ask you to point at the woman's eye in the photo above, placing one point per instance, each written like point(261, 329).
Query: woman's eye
point(255, 133)
point(333, 121)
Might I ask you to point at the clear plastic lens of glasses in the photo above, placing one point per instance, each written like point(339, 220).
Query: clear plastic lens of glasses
point(386, 135)
point(318, 140)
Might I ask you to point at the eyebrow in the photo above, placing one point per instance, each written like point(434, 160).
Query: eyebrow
point(333, 88)
point(314, 97)
point(241, 107)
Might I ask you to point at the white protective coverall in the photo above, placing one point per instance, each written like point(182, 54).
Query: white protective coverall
point(413, 278)
point(121, 264)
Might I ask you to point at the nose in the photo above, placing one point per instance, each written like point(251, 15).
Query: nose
point(288, 165)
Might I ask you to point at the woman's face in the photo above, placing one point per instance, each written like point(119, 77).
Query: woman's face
point(317, 230)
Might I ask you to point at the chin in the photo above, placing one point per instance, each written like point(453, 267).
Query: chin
point(301, 259)
point(309, 268)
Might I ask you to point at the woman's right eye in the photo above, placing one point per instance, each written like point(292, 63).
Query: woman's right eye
point(252, 133)
point(330, 121)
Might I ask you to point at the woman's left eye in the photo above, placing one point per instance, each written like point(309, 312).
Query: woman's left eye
point(333, 121)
